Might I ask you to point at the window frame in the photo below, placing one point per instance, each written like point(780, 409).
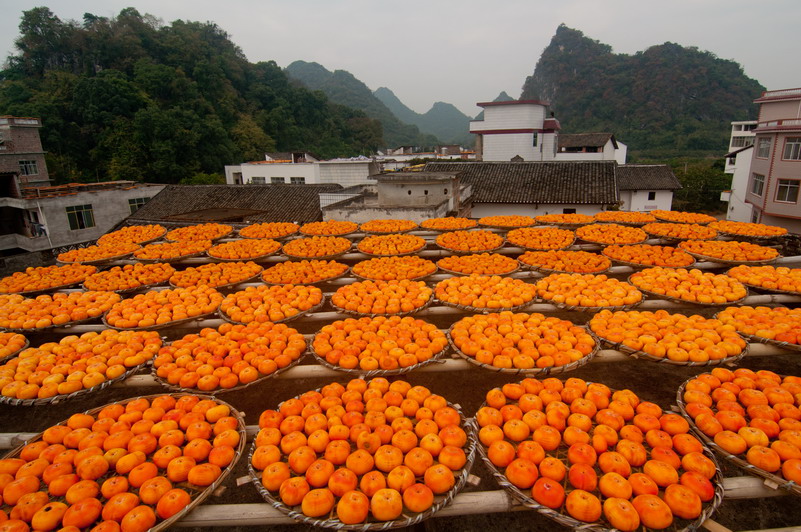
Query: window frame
point(28, 167)
point(297, 180)
point(80, 217)
point(261, 180)
point(277, 181)
point(760, 146)
point(134, 204)
point(787, 184)
point(794, 143)
point(651, 195)
point(752, 184)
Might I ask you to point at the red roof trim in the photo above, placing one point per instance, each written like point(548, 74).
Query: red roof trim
point(513, 102)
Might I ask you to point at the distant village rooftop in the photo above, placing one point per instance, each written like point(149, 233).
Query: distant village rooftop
point(646, 177)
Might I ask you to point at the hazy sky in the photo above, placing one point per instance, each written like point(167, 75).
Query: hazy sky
point(466, 51)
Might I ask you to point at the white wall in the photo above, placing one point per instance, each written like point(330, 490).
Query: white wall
point(739, 210)
point(342, 173)
point(637, 200)
point(527, 209)
point(609, 153)
point(510, 116)
point(347, 173)
point(503, 147)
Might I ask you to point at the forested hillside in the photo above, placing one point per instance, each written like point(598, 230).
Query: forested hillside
point(443, 120)
point(128, 97)
point(343, 88)
point(665, 101)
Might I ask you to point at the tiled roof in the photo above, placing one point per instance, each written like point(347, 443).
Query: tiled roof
point(646, 177)
point(590, 182)
point(580, 140)
point(258, 203)
point(405, 177)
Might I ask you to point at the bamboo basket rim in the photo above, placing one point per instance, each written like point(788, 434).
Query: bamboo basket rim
point(549, 271)
point(750, 237)
point(684, 301)
point(709, 258)
point(41, 291)
point(404, 254)
point(771, 290)
point(202, 494)
point(319, 281)
point(9, 356)
point(465, 274)
point(545, 372)
point(215, 239)
point(418, 278)
point(481, 310)
point(788, 485)
point(97, 262)
point(661, 219)
point(244, 259)
point(436, 358)
point(386, 315)
point(644, 266)
point(222, 286)
point(172, 259)
point(56, 399)
point(529, 248)
point(53, 326)
point(219, 391)
point(636, 353)
point(159, 326)
point(566, 520)
point(406, 521)
point(300, 314)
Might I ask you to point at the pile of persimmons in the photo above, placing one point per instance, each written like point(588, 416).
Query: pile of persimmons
point(485, 292)
point(136, 234)
point(270, 303)
point(586, 290)
point(97, 253)
point(481, 263)
point(649, 255)
point(303, 271)
point(244, 249)
point(566, 261)
point(541, 238)
point(391, 244)
point(694, 286)
point(316, 247)
point(382, 297)
point(45, 278)
point(596, 455)
point(75, 363)
point(521, 340)
point(129, 277)
point(160, 307)
point(58, 309)
point(269, 230)
point(394, 268)
point(768, 277)
point(129, 466)
point(470, 241)
point(751, 415)
point(228, 356)
point(369, 449)
point(779, 324)
point(172, 250)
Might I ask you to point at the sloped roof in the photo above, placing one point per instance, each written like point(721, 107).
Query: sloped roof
point(260, 203)
point(735, 152)
point(646, 177)
point(587, 182)
point(580, 140)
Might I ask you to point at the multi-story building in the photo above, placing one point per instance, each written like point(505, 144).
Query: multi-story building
point(775, 172)
point(524, 130)
point(300, 168)
point(738, 164)
point(21, 152)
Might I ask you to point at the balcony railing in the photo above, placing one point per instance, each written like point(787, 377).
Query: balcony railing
point(785, 123)
point(781, 93)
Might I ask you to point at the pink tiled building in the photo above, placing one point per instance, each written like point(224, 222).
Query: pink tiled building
point(775, 174)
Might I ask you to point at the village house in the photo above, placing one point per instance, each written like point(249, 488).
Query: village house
point(738, 164)
point(775, 171)
point(301, 168)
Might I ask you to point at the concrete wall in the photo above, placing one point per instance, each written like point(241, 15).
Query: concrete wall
point(366, 213)
point(527, 209)
point(637, 200)
point(793, 225)
point(505, 146)
point(514, 116)
point(343, 173)
point(778, 110)
point(403, 194)
point(22, 142)
point(109, 208)
point(347, 173)
point(738, 210)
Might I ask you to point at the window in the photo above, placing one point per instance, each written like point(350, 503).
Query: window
point(792, 149)
point(136, 203)
point(755, 217)
point(568, 211)
point(277, 180)
point(757, 184)
point(535, 140)
point(763, 148)
point(651, 196)
point(257, 180)
point(297, 180)
point(28, 168)
point(80, 217)
point(787, 190)
point(741, 142)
